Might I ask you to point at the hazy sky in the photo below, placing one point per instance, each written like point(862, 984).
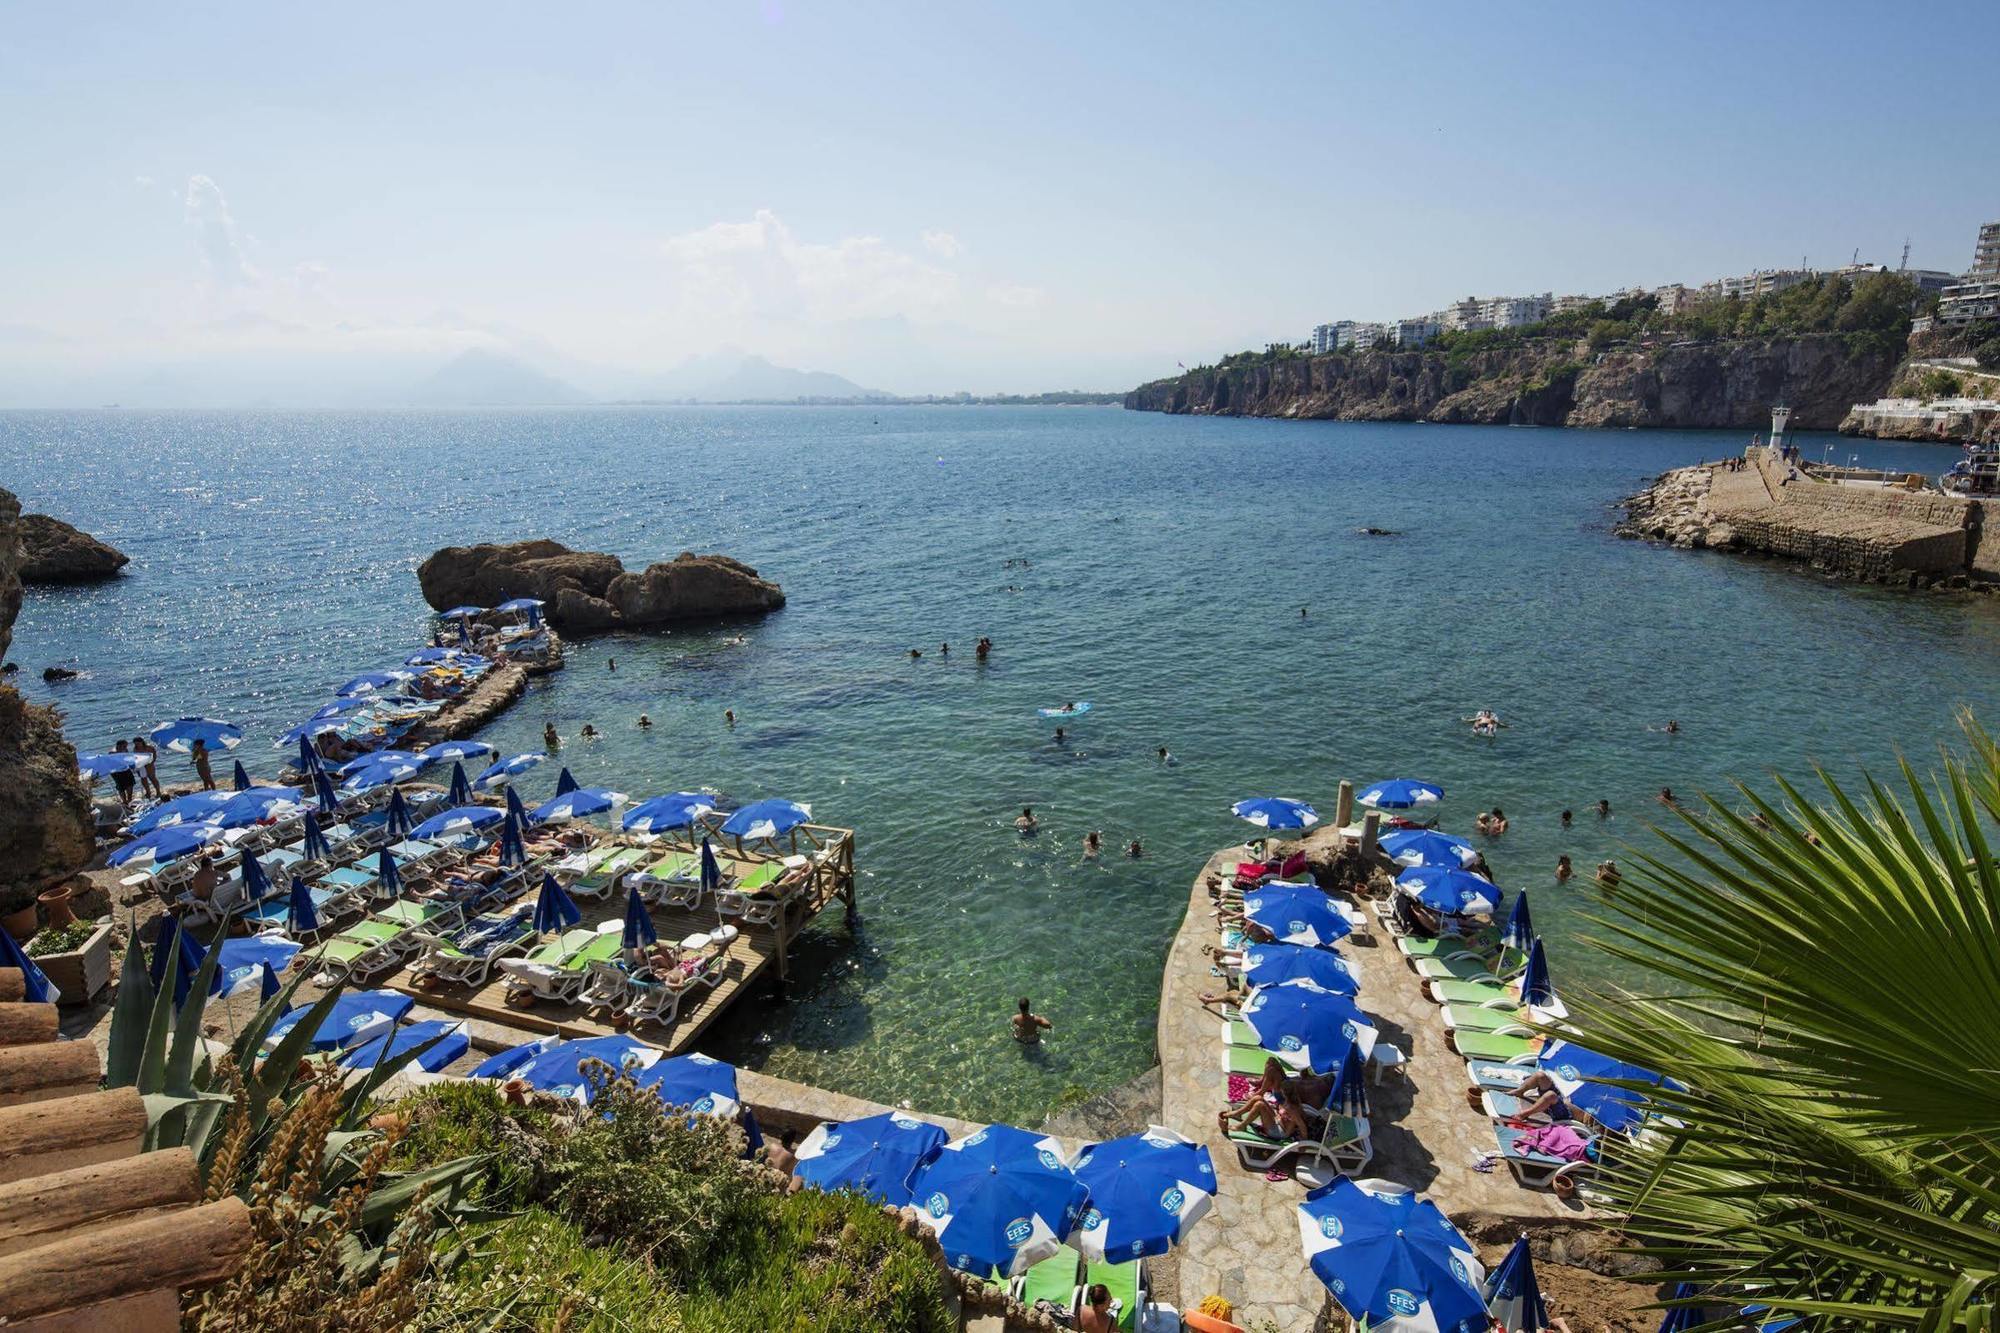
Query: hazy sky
point(305, 201)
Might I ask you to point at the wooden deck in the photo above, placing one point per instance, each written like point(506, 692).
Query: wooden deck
point(759, 953)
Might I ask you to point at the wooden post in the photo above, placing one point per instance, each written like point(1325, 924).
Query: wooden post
point(13, 986)
point(23, 1024)
point(1371, 831)
point(75, 1131)
point(1343, 805)
point(195, 1247)
point(47, 1069)
point(48, 1208)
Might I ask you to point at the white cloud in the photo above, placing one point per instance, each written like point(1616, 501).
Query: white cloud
point(222, 242)
point(759, 269)
point(942, 244)
point(1014, 296)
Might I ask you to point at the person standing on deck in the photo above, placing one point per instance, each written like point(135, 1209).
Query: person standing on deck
point(199, 753)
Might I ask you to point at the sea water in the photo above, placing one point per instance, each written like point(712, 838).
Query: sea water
point(1155, 566)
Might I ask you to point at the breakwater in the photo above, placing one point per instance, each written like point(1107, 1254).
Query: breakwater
point(1877, 534)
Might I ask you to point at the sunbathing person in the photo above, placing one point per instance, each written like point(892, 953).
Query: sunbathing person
point(1267, 1110)
point(1095, 1316)
point(1549, 1103)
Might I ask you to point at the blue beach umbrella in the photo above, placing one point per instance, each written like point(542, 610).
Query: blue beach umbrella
point(181, 734)
point(340, 708)
point(639, 930)
point(459, 820)
point(314, 844)
point(1146, 1190)
point(1392, 1260)
point(520, 604)
point(1275, 812)
point(174, 940)
point(38, 988)
point(305, 732)
point(268, 988)
point(256, 883)
point(309, 760)
point(445, 656)
point(447, 750)
point(1401, 794)
point(499, 774)
point(373, 682)
point(239, 779)
point(462, 613)
point(555, 910)
point(1512, 1294)
point(460, 791)
point(1586, 1081)
point(1427, 847)
point(1520, 931)
point(356, 1016)
point(109, 762)
point(513, 849)
point(194, 808)
point(875, 1155)
point(1296, 915)
point(396, 821)
point(676, 810)
point(246, 958)
point(328, 799)
point(404, 760)
point(301, 917)
point(1537, 990)
point(580, 803)
point(166, 844)
point(1450, 891)
point(516, 809)
point(372, 774)
point(465, 633)
point(701, 1083)
point(1269, 964)
point(1683, 1317)
point(1306, 1026)
point(254, 805)
point(565, 783)
point(556, 1067)
point(451, 1044)
point(388, 874)
point(1349, 1093)
point(766, 819)
point(711, 873)
point(999, 1198)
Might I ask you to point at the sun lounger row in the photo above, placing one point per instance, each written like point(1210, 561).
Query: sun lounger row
point(1062, 1280)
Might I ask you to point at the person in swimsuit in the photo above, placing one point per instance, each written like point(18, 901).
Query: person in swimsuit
point(1026, 822)
point(199, 753)
point(1563, 871)
point(1028, 1025)
point(550, 740)
point(1268, 1109)
point(1092, 844)
point(1095, 1316)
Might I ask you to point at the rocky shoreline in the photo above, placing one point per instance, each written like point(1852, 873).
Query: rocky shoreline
point(589, 592)
point(55, 552)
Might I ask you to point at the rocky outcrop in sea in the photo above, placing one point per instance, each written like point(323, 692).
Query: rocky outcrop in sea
point(55, 552)
point(1675, 509)
point(1546, 382)
point(46, 832)
point(589, 592)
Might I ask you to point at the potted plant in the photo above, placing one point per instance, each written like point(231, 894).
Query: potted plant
point(76, 957)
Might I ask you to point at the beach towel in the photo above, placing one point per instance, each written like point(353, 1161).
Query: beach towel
point(1558, 1141)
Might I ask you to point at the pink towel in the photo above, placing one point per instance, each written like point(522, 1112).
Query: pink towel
point(1555, 1141)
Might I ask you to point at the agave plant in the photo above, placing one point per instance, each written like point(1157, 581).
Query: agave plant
point(1832, 1007)
point(202, 1104)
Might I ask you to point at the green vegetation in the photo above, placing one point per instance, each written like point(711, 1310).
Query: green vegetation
point(59, 939)
point(1930, 383)
point(1831, 973)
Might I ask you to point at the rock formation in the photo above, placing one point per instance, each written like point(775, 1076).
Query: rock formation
point(588, 591)
point(55, 552)
point(46, 832)
point(1546, 382)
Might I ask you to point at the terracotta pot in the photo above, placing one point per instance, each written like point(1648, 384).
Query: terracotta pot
point(20, 923)
point(56, 903)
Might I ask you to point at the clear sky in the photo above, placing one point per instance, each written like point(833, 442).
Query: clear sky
point(305, 202)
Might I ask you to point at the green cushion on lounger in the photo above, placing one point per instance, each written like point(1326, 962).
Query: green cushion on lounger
point(1053, 1279)
point(762, 877)
point(1461, 969)
point(1492, 1046)
point(1470, 992)
point(1471, 1018)
point(1239, 1033)
point(411, 912)
point(678, 866)
point(1122, 1280)
point(1416, 946)
point(1244, 1060)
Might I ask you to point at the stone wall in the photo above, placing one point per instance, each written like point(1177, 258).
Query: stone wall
point(1860, 532)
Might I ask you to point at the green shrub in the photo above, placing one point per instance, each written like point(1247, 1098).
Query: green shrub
point(459, 1119)
point(536, 1271)
point(59, 939)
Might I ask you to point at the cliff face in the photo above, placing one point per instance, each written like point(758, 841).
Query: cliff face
point(588, 592)
point(46, 833)
point(1545, 383)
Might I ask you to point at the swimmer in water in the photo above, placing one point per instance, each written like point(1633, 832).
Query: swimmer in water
point(915, 653)
point(1092, 844)
point(610, 664)
point(1607, 874)
point(944, 650)
point(1603, 809)
point(589, 732)
point(1563, 871)
point(1673, 728)
point(1165, 758)
point(1026, 822)
point(549, 737)
point(1135, 851)
point(1666, 796)
point(729, 717)
point(644, 722)
point(1566, 818)
point(1061, 736)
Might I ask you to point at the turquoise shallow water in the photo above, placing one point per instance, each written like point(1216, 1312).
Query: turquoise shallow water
point(1167, 559)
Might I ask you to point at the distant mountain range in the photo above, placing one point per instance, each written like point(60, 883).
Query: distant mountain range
point(482, 378)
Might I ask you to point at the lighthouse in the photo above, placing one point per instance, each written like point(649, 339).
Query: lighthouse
point(1781, 417)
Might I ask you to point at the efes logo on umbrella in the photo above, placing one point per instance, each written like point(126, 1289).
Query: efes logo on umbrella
point(1338, 1286)
point(901, 1121)
point(1296, 927)
point(360, 1021)
point(706, 1104)
point(1092, 1219)
point(1289, 1042)
point(1172, 1200)
point(977, 1138)
point(1458, 1269)
point(937, 1205)
point(831, 1142)
point(1049, 1160)
point(1569, 1074)
point(1329, 1226)
point(1019, 1230)
point(1402, 1302)
point(1348, 1029)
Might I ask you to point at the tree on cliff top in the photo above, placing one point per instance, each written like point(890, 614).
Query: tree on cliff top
point(1832, 984)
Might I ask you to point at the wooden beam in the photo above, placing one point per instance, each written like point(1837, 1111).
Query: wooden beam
point(74, 1131)
point(196, 1247)
point(24, 1024)
point(147, 1312)
point(45, 1208)
point(49, 1069)
point(12, 985)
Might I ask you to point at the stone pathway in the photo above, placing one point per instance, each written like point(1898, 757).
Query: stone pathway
point(1425, 1135)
